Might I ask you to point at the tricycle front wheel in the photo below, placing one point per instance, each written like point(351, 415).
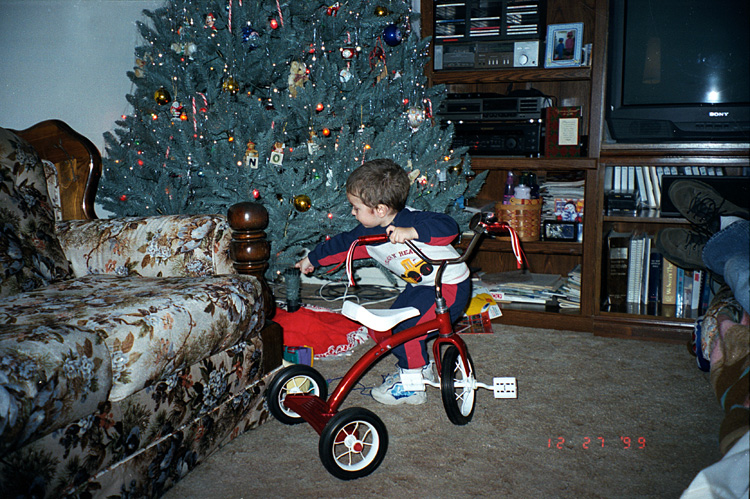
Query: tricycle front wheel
point(457, 386)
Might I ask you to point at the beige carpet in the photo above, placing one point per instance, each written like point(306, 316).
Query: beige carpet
point(592, 392)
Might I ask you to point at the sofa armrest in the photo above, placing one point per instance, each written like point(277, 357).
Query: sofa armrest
point(170, 245)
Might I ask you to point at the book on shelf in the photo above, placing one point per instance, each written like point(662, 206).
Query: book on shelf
point(679, 300)
point(655, 185)
point(687, 289)
point(635, 268)
point(698, 276)
point(669, 282)
point(618, 247)
point(646, 268)
point(656, 263)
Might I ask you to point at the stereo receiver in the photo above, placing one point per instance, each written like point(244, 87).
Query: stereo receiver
point(487, 34)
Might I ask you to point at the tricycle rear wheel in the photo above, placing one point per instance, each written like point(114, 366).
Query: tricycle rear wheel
point(296, 379)
point(353, 443)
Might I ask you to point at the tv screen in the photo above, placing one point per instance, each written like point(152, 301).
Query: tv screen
point(679, 70)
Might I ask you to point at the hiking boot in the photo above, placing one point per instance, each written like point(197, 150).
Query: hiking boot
point(702, 205)
point(392, 392)
point(682, 247)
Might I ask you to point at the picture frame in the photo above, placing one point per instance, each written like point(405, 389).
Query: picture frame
point(564, 45)
point(554, 230)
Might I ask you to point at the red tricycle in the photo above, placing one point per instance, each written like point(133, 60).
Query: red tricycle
point(353, 442)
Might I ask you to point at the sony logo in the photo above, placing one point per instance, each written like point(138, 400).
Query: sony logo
point(717, 114)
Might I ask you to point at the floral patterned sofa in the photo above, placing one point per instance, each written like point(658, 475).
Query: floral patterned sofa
point(130, 349)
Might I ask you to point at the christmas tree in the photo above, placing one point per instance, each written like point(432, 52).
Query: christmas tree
point(279, 102)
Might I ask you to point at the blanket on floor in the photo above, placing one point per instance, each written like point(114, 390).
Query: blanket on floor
point(328, 333)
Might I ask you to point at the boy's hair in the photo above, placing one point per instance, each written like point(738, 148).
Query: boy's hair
point(379, 181)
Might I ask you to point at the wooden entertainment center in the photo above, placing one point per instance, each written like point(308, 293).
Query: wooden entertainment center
point(585, 87)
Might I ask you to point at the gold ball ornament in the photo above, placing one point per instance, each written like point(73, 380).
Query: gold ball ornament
point(381, 11)
point(230, 85)
point(302, 203)
point(161, 96)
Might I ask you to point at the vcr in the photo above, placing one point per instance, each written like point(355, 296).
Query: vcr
point(484, 107)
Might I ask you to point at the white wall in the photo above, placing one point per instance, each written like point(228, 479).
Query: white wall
point(67, 59)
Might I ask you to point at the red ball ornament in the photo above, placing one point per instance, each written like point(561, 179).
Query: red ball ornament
point(256, 193)
point(406, 102)
point(123, 198)
point(319, 107)
point(274, 23)
point(326, 132)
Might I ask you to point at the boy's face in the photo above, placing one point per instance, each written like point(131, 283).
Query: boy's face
point(369, 217)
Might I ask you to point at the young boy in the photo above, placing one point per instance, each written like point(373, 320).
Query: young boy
point(377, 191)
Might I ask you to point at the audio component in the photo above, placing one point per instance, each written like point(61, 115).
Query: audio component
point(488, 34)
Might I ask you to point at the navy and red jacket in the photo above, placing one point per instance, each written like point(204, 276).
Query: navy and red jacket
point(436, 233)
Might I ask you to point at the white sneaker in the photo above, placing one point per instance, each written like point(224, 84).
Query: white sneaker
point(392, 392)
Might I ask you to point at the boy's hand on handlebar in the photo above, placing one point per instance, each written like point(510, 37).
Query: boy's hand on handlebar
point(401, 234)
point(305, 266)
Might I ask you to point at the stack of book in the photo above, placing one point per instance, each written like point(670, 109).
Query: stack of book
point(570, 292)
point(523, 287)
point(558, 190)
point(640, 280)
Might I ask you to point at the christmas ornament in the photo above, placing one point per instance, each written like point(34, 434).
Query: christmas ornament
point(251, 155)
point(333, 10)
point(392, 35)
point(123, 198)
point(161, 96)
point(210, 21)
point(381, 11)
point(250, 36)
point(297, 77)
point(302, 203)
point(377, 54)
point(326, 132)
point(415, 116)
point(277, 155)
point(188, 49)
point(345, 75)
point(230, 85)
point(319, 107)
point(312, 143)
point(348, 53)
point(256, 194)
point(274, 23)
point(175, 110)
point(140, 65)
point(413, 175)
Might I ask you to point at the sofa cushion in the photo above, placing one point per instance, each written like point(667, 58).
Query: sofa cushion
point(167, 245)
point(30, 254)
point(126, 334)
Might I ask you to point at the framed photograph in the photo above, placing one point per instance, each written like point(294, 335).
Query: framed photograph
point(564, 44)
point(553, 230)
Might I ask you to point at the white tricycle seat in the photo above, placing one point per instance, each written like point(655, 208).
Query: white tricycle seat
point(377, 319)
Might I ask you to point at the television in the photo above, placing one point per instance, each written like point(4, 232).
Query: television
point(678, 71)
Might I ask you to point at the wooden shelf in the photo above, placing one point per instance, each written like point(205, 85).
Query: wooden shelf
point(524, 163)
point(510, 75)
point(652, 217)
point(531, 247)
